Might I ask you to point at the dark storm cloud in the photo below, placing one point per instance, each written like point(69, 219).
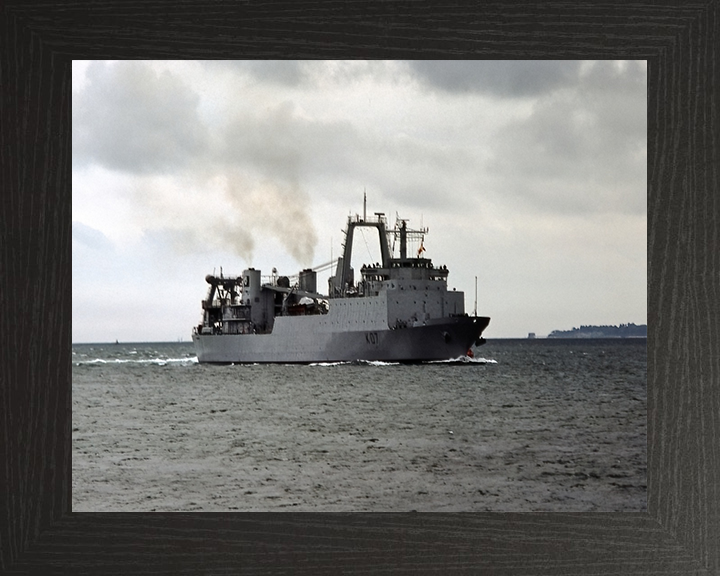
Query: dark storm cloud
point(580, 151)
point(309, 73)
point(131, 119)
point(285, 73)
point(518, 78)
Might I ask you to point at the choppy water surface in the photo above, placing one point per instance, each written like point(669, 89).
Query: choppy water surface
point(530, 425)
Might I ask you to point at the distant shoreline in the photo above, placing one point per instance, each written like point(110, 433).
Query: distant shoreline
point(488, 339)
point(621, 331)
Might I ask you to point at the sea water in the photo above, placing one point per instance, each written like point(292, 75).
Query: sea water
point(526, 425)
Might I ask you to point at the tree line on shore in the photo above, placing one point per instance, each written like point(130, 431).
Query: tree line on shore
point(621, 331)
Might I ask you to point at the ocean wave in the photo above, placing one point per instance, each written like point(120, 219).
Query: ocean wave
point(156, 361)
point(464, 360)
point(355, 363)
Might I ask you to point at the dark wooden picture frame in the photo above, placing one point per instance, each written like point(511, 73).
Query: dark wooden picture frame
point(681, 530)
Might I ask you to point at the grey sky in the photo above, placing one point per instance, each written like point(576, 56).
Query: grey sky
point(530, 175)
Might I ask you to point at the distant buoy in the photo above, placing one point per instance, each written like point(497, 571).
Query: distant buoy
point(470, 353)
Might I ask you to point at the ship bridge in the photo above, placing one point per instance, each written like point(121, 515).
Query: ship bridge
point(373, 275)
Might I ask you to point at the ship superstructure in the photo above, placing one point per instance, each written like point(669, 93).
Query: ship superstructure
point(398, 309)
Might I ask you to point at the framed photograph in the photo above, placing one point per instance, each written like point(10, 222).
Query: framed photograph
point(671, 531)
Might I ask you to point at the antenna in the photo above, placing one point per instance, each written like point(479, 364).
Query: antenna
point(364, 205)
point(475, 311)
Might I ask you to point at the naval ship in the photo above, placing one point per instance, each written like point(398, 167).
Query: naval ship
point(397, 310)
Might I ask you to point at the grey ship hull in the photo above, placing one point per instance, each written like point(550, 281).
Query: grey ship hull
point(294, 340)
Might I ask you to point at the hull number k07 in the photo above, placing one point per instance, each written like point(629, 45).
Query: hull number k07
point(371, 337)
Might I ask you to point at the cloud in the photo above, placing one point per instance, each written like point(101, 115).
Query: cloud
point(93, 258)
point(291, 149)
point(515, 79)
point(279, 72)
point(131, 119)
point(90, 237)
